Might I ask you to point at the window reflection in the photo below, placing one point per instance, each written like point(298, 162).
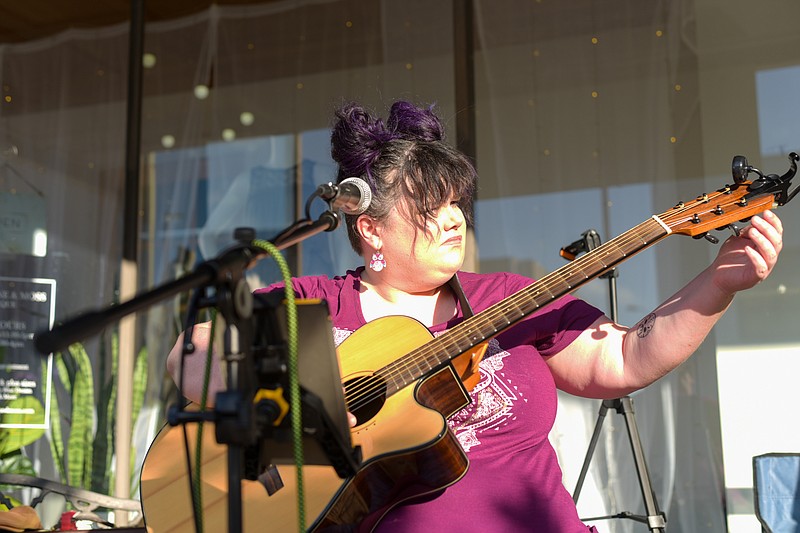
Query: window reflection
point(204, 194)
point(778, 117)
point(525, 234)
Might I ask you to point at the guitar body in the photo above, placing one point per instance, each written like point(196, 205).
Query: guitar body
point(407, 451)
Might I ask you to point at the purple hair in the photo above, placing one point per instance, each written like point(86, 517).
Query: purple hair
point(404, 157)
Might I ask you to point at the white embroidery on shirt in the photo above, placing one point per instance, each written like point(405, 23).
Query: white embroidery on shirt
point(339, 336)
point(493, 401)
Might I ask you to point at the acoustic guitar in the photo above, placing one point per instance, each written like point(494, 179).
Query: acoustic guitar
point(400, 384)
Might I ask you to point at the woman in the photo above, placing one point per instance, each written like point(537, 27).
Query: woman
point(412, 239)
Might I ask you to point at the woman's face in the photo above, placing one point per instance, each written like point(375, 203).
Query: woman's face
point(423, 260)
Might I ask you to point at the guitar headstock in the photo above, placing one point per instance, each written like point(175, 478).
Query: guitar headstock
point(732, 203)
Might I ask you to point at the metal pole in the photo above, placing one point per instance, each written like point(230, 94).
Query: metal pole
point(129, 270)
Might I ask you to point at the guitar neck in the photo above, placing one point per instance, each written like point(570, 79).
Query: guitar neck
point(507, 312)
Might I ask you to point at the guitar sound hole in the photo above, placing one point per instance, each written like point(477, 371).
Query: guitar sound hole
point(365, 397)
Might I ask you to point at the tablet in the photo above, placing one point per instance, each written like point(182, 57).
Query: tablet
point(326, 436)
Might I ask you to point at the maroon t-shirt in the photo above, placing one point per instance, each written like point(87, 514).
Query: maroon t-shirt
point(513, 482)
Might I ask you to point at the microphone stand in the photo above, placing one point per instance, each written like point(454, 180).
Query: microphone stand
point(232, 414)
point(215, 272)
point(655, 519)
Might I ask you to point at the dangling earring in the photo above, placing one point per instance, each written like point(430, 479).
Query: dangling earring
point(378, 263)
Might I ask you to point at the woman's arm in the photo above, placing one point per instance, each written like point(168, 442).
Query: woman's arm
point(195, 366)
point(608, 360)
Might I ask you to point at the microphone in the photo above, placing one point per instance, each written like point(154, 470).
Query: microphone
point(351, 195)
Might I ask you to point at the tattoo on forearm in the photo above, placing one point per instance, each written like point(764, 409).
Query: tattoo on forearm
point(645, 326)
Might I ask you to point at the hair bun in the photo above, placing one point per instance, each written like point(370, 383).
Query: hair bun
point(357, 139)
point(414, 123)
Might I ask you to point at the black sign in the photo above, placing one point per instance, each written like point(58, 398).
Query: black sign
point(26, 306)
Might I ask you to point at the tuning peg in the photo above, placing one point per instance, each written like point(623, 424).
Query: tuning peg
point(707, 236)
point(733, 227)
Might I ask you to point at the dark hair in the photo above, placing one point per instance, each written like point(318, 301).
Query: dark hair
point(405, 157)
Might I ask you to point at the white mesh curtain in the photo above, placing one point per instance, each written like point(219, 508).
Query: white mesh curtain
point(588, 116)
point(62, 129)
point(576, 107)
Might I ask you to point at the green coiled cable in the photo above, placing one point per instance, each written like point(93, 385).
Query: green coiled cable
point(294, 391)
point(294, 384)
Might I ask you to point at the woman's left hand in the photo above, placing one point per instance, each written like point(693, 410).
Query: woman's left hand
point(748, 259)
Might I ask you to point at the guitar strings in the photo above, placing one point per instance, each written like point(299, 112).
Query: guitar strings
point(522, 303)
point(366, 389)
point(375, 388)
point(371, 389)
point(431, 348)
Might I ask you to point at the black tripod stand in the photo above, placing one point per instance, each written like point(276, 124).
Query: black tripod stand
point(655, 519)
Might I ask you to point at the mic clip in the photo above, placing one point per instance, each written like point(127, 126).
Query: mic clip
point(327, 191)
